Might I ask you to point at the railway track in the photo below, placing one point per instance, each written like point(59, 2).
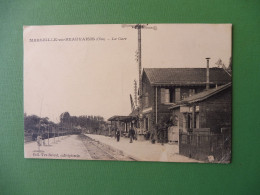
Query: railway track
point(99, 151)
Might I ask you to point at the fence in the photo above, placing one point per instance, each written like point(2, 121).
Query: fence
point(200, 146)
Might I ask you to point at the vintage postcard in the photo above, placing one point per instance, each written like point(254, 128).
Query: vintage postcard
point(128, 92)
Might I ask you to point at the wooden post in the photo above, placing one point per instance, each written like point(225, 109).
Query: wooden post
point(156, 106)
point(119, 128)
point(193, 117)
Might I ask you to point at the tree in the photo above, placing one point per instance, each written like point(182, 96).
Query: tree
point(74, 120)
point(65, 118)
point(228, 70)
point(34, 123)
point(31, 122)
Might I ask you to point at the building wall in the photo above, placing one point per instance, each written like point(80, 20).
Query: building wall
point(163, 111)
point(177, 93)
point(147, 91)
point(149, 101)
point(216, 111)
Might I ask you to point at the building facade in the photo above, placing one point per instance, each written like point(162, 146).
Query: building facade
point(209, 109)
point(163, 88)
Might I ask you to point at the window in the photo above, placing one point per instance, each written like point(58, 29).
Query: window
point(165, 95)
point(172, 95)
point(184, 95)
point(191, 92)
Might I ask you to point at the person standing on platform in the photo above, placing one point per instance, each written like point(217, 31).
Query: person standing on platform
point(131, 133)
point(162, 130)
point(39, 142)
point(117, 135)
point(43, 139)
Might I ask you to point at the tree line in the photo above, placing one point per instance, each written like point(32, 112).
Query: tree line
point(88, 122)
point(34, 123)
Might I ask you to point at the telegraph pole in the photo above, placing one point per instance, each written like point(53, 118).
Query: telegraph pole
point(135, 92)
point(139, 59)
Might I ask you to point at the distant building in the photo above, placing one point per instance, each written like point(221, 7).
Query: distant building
point(121, 123)
point(163, 88)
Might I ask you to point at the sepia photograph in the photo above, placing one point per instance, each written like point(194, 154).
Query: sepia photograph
point(128, 92)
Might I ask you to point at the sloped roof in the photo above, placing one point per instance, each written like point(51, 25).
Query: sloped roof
point(185, 76)
point(201, 96)
point(205, 94)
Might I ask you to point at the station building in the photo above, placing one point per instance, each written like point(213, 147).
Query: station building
point(164, 88)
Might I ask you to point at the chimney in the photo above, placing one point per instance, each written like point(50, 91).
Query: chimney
point(207, 74)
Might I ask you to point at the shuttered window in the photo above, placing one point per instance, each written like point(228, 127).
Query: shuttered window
point(165, 95)
point(162, 95)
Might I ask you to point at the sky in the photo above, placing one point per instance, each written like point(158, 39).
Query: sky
point(95, 75)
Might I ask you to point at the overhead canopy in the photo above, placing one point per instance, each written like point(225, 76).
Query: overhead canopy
point(122, 118)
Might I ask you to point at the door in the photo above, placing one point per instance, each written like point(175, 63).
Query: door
point(146, 124)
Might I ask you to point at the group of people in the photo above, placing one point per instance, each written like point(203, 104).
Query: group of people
point(131, 134)
point(161, 131)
